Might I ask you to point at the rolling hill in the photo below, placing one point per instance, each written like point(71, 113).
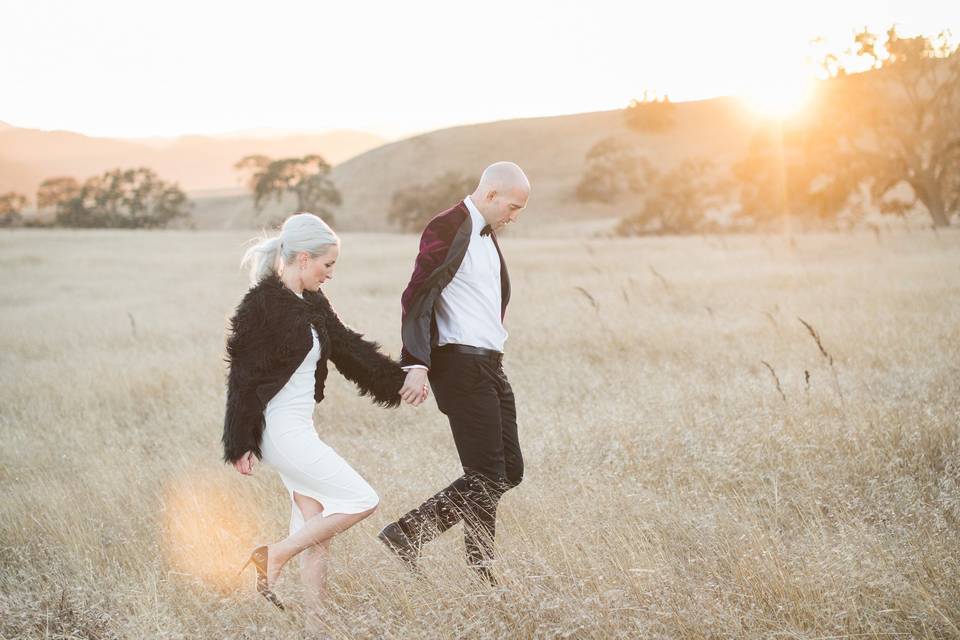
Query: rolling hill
point(197, 163)
point(551, 150)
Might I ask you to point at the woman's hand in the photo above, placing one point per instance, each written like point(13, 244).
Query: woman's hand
point(414, 389)
point(245, 464)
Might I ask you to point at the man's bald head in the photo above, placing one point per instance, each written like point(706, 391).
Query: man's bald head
point(502, 193)
point(503, 176)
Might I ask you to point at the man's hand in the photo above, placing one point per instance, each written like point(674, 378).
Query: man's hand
point(415, 390)
point(245, 464)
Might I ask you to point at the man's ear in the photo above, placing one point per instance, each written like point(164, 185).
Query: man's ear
point(491, 195)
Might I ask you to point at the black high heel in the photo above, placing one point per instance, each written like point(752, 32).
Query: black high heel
point(259, 559)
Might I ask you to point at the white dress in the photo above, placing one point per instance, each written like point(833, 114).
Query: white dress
point(306, 464)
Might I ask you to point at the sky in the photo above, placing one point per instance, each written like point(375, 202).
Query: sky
point(135, 69)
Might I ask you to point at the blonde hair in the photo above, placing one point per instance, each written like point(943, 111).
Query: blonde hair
point(300, 232)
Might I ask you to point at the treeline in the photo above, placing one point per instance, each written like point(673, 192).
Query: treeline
point(887, 140)
point(140, 199)
point(121, 198)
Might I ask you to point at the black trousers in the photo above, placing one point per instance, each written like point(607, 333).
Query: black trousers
point(474, 393)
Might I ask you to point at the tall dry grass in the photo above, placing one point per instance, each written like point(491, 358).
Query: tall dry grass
point(696, 467)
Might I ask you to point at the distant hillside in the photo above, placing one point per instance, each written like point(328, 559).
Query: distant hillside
point(551, 151)
point(28, 156)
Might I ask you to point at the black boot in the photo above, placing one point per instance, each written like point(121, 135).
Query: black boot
point(473, 498)
point(400, 544)
point(406, 536)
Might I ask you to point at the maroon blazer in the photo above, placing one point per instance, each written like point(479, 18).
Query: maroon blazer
point(443, 244)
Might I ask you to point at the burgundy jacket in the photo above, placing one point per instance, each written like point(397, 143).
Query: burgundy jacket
point(443, 245)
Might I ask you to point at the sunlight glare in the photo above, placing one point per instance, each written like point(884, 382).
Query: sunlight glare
point(778, 96)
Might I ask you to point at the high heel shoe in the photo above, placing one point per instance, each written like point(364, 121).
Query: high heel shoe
point(259, 559)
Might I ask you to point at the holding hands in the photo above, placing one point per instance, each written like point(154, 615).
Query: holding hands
point(415, 389)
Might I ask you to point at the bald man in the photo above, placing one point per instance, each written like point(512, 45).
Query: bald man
point(453, 334)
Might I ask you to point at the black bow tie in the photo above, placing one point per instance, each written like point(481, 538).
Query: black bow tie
point(487, 230)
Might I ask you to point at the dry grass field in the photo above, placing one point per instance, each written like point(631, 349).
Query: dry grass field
point(696, 466)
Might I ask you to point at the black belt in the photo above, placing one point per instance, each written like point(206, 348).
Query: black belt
point(490, 354)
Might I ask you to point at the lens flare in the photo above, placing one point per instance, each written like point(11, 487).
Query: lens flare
point(208, 528)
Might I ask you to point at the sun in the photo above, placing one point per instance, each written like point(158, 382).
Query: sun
point(778, 96)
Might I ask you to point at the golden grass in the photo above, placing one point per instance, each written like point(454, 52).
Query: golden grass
point(671, 490)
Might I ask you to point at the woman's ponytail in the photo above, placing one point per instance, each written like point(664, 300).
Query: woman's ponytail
point(262, 259)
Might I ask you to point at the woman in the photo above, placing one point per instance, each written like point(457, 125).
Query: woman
point(282, 334)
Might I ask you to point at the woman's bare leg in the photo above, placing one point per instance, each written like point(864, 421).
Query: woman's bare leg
point(314, 562)
point(315, 530)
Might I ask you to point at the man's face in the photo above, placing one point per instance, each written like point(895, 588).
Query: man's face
point(507, 205)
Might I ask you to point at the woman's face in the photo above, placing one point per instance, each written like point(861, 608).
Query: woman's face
point(316, 271)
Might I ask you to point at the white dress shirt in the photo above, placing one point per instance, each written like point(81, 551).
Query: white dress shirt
point(468, 311)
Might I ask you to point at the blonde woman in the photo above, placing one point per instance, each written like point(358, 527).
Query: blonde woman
point(282, 335)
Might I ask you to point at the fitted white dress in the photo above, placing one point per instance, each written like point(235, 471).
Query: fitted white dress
point(306, 464)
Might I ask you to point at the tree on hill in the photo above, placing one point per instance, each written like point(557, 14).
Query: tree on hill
point(676, 201)
point(651, 113)
point(613, 168)
point(307, 178)
point(129, 199)
point(53, 192)
point(898, 124)
point(11, 207)
point(412, 207)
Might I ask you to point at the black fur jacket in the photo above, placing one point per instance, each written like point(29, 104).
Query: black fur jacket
point(269, 338)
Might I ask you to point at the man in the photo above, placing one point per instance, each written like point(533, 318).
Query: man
point(453, 333)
